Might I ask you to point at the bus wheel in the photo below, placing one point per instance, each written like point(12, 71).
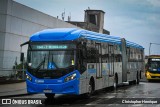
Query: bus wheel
point(90, 89)
point(115, 81)
point(50, 95)
point(140, 75)
point(137, 80)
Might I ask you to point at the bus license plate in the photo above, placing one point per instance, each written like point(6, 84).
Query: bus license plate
point(47, 91)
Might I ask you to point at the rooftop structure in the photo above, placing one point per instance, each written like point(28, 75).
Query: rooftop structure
point(93, 21)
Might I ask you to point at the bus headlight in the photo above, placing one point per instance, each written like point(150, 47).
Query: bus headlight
point(28, 77)
point(148, 74)
point(71, 77)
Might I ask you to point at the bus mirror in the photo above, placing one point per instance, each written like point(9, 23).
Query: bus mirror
point(22, 57)
point(146, 67)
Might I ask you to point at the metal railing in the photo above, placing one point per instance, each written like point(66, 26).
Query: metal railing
point(13, 74)
point(11, 68)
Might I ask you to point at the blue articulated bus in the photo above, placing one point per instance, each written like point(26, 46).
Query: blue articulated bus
point(78, 61)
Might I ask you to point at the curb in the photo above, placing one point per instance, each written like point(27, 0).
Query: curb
point(10, 81)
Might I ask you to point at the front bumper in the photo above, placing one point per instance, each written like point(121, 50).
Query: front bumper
point(52, 86)
point(152, 76)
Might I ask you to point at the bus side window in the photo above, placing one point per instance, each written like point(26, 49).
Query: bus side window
point(84, 51)
point(81, 65)
point(118, 58)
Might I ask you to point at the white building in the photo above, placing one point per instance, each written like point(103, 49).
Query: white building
point(17, 23)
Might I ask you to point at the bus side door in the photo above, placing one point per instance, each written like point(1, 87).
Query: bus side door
point(111, 60)
point(98, 60)
point(124, 60)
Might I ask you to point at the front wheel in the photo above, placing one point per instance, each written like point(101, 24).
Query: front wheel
point(90, 90)
point(137, 80)
point(50, 95)
point(115, 82)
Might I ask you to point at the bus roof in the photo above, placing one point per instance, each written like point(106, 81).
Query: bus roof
point(154, 56)
point(69, 34)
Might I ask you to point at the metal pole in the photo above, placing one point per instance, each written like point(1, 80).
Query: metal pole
point(15, 77)
point(23, 69)
point(149, 48)
point(15, 72)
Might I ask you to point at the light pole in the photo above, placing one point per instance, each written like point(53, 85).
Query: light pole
point(150, 46)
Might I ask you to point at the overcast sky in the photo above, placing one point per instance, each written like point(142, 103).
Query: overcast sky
point(136, 20)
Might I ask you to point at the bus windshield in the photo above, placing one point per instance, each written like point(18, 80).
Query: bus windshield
point(50, 57)
point(154, 65)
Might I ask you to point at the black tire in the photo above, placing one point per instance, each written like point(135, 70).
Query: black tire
point(50, 95)
point(140, 75)
point(130, 82)
point(134, 81)
point(91, 89)
point(115, 82)
point(137, 80)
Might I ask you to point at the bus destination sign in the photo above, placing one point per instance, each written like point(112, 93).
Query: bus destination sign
point(50, 47)
point(155, 59)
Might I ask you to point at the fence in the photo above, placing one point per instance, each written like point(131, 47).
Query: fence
point(11, 68)
point(13, 74)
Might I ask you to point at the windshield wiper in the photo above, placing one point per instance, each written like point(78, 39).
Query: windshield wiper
point(42, 62)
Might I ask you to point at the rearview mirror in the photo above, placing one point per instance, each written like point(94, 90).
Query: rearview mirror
point(146, 66)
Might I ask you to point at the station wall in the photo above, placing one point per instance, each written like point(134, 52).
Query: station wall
point(17, 23)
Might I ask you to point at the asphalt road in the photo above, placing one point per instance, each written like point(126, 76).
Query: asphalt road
point(146, 91)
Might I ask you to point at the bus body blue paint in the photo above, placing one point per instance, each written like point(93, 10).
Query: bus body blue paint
point(69, 34)
point(58, 86)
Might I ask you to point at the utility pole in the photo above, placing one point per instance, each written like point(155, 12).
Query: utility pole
point(63, 15)
point(15, 77)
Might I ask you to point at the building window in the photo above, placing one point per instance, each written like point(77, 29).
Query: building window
point(93, 19)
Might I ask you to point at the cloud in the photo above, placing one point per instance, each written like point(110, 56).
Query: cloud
point(135, 20)
point(155, 3)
